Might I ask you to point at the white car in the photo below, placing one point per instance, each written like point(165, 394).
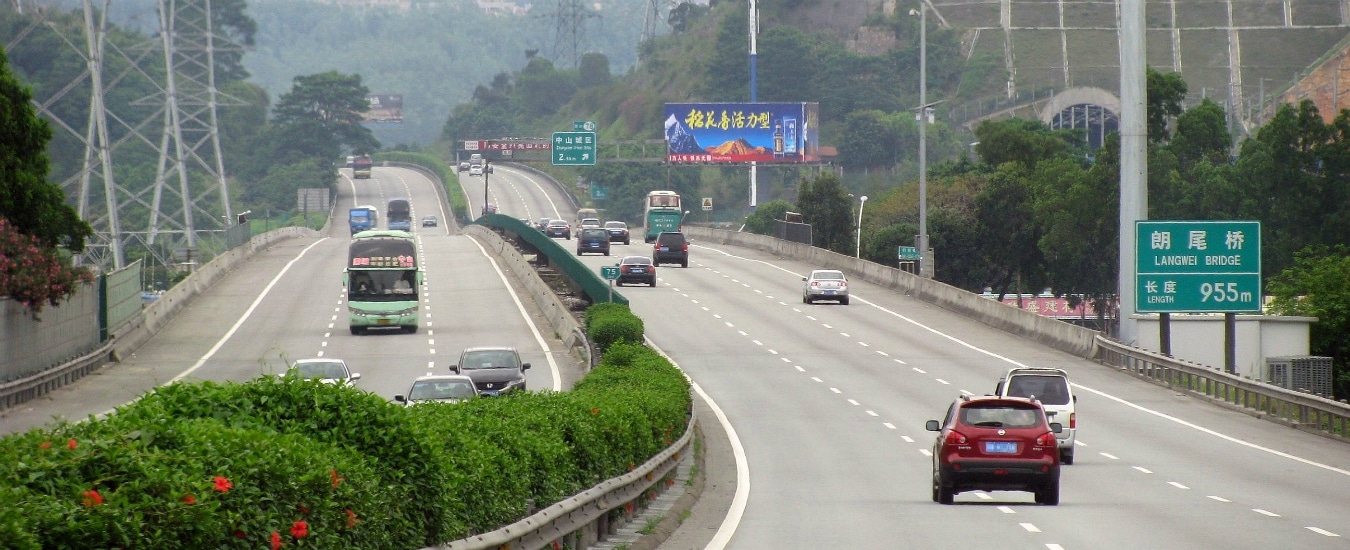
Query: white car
point(1052, 389)
point(476, 170)
point(325, 369)
point(445, 388)
point(589, 222)
point(825, 284)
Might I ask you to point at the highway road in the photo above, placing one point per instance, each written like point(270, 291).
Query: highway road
point(827, 402)
point(288, 302)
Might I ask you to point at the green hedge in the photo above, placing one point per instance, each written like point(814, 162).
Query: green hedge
point(233, 465)
point(459, 205)
point(611, 323)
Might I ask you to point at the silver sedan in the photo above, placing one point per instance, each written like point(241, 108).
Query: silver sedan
point(825, 284)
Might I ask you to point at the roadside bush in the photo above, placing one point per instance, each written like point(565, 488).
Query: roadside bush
point(609, 329)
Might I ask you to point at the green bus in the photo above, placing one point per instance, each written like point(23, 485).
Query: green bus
point(383, 279)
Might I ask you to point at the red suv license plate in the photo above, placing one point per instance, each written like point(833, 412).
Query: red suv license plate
point(1000, 447)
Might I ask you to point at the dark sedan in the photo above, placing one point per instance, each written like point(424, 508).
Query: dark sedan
point(618, 232)
point(636, 269)
point(494, 370)
point(592, 239)
point(559, 228)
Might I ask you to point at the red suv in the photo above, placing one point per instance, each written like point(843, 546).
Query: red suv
point(995, 444)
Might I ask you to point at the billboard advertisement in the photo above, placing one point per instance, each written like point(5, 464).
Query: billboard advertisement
point(742, 132)
point(385, 110)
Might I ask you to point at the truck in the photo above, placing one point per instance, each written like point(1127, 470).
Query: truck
point(400, 214)
point(361, 167)
point(363, 218)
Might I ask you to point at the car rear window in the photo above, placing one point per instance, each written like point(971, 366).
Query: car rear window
point(1046, 388)
point(672, 238)
point(595, 233)
point(830, 275)
point(1000, 416)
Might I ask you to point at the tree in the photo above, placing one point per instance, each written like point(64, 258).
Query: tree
point(1008, 233)
point(827, 207)
point(541, 89)
point(1164, 95)
point(321, 115)
point(593, 70)
point(1318, 285)
point(1017, 140)
point(761, 221)
point(871, 141)
point(34, 218)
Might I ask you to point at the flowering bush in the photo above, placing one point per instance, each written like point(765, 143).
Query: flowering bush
point(32, 274)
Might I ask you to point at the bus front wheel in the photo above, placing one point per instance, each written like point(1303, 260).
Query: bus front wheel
point(410, 329)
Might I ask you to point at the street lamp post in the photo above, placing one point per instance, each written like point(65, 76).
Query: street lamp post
point(485, 187)
point(925, 266)
point(857, 247)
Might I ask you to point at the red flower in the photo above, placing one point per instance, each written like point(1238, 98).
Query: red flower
point(299, 529)
point(351, 518)
point(595, 411)
point(222, 484)
point(71, 444)
point(304, 510)
point(276, 540)
point(239, 533)
point(189, 499)
point(45, 445)
point(92, 499)
point(336, 480)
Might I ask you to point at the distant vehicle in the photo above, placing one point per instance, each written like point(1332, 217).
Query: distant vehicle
point(995, 444)
point(400, 214)
point(825, 284)
point(464, 166)
point(351, 161)
point(429, 221)
point(475, 170)
point(558, 228)
point(590, 222)
point(618, 231)
point(584, 213)
point(489, 209)
point(442, 388)
point(363, 218)
point(495, 370)
point(382, 278)
point(592, 239)
point(541, 224)
point(325, 369)
point(636, 269)
point(1052, 389)
point(361, 167)
point(475, 159)
point(661, 212)
point(671, 247)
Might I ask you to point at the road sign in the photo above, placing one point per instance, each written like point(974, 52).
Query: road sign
point(598, 192)
point(707, 203)
point(609, 272)
point(1197, 266)
point(573, 148)
point(583, 126)
point(909, 254)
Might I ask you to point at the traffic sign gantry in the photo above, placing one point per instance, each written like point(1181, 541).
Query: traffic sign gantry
point(573, 148)
point(1197, 266)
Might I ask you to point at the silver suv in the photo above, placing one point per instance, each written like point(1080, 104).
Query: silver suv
point(1052, 389)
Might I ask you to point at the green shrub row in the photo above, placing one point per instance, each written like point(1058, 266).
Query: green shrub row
point(610, 323)
point(459, 206)
point(280, 461)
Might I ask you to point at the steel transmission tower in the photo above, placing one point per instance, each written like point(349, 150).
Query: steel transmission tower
point(570, 36)
point(652, 20)
point(188, 142)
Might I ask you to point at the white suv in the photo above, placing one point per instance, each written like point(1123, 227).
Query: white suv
point(1051, 387)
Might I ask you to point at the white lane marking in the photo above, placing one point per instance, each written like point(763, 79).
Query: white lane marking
point(757, 342)
point(853, 402)
point(1007, 509)
point(716, 316)
point(796, 310)
point(785, 360)
point(799, 368)
point(1219, 498)
point(733, 518)
point(835, 390)
point(735, 280)
point(1109, 455)
point(863, 344)
point(817, 379)
point(694, 301)
point(321, 353)
point(758, 291)
point(538, 338)
point(729, 325)
point(323, 344)
point(330, 326)
point(983, 495)
point(1322, 532)
point(1030, 527)
point(1079, 442)
point(431, 365)
point(825, 325)
point(966, 392)
point(1267, 513)
point(873, 413)
point(743, 333)
point(327, 335)
point(704, 308)
point(1177, 485)
point(247, 313)
point(919, 370)
point(1053, 546)
point(926, 452)
point(1143, 469)
point(773, 352)
point(883, 354)
point(943, 382)
point(811, 318)
point(888, 425)
point(845, 335)
point(901, 362)
point(907, 439)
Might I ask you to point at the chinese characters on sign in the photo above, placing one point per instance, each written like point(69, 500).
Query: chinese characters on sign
point(1198, 266)
point(533, 144)
point(742, 132)
point(573, 148)
point(406, 262)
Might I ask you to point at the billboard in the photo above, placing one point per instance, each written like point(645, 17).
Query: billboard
point(742, 132)
point(385, 110)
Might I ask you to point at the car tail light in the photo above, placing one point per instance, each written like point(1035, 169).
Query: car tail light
point(955, 438)
point(843, 284)
point(684, 247)
point(1046, 439)
point(1073, 421)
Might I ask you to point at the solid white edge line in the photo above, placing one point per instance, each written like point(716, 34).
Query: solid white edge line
point(548, 353)
point(239, 322)
point(733, 518)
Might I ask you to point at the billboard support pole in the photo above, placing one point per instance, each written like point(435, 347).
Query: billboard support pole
point(754, 28)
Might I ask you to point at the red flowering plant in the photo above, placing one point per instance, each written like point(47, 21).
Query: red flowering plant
point(35, 275)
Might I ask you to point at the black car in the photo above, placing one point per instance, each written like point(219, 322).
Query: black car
point(558, 228)
point(636, 269)
point(494, 370)
point(618, 231)
point(671, 247)
point(592, 239)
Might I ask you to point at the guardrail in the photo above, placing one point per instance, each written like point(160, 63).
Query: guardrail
point(1302, 411)
point(582, 519)
point(582, 277)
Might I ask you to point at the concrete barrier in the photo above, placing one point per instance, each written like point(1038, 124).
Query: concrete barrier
point(1044, 330)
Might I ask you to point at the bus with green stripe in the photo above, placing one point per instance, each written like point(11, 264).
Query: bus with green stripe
point(383, 279)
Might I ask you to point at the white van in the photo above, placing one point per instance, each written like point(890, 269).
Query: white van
point(1051, 387)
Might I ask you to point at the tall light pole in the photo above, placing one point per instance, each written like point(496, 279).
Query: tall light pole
point(925, 264)
point(485, 187)
point(857, 247)
point(754, 96)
